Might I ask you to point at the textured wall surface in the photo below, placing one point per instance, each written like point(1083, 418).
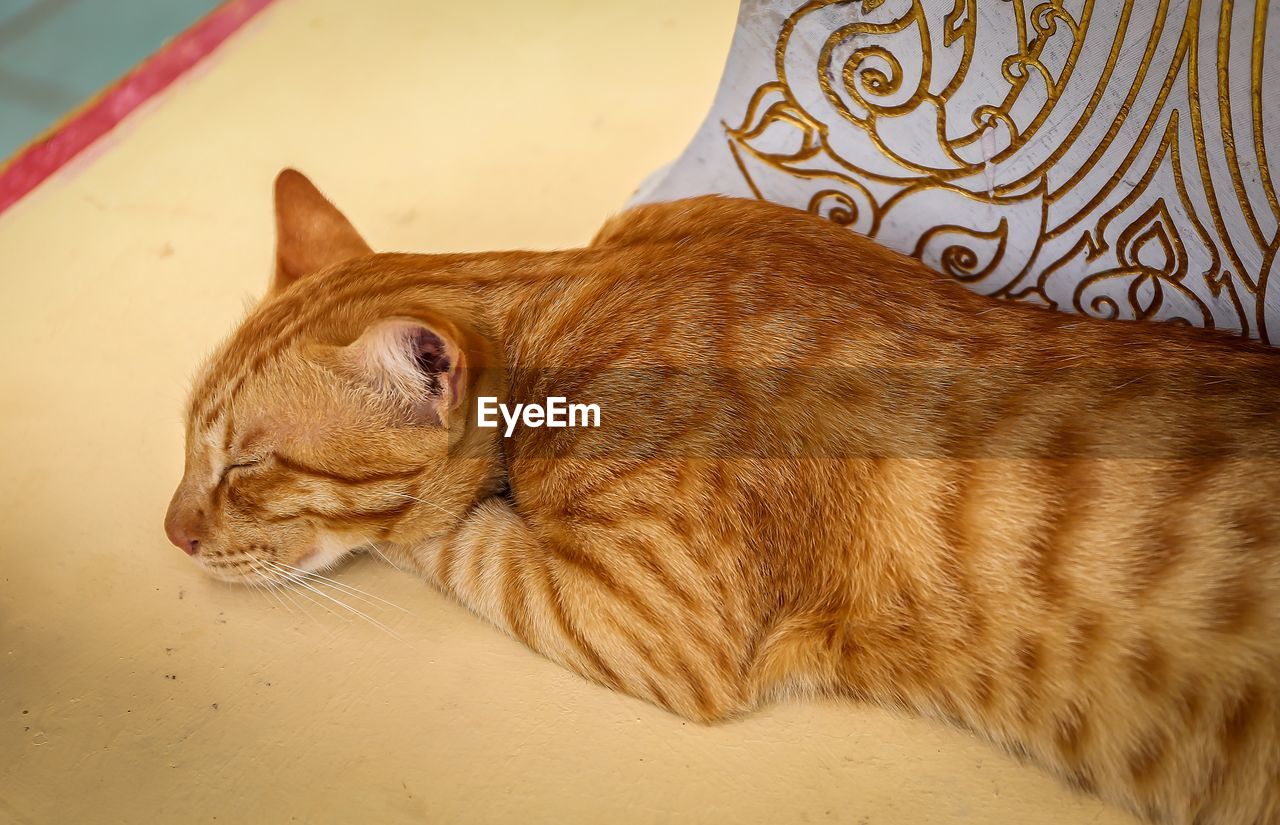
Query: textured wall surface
point(55, 54)
point(1114, 158)
point(131, 689)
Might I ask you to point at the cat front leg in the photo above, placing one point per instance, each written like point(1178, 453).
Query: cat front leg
point(589, 609)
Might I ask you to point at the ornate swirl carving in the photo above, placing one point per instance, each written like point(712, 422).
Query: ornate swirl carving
point(964, 254)
point(863, 81)
point(835, 206)
point(1113, 159)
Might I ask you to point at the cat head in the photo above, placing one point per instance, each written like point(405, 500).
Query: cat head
point(333, 417)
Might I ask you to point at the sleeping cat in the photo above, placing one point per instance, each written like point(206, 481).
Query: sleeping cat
point(820, 468)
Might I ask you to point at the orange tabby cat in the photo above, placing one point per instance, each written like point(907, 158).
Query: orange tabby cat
point(820, 467)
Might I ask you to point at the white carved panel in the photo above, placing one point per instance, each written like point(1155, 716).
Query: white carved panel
point(1111, 158)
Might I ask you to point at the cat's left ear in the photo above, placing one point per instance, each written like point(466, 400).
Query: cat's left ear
point(421, 365)
point(311, 234)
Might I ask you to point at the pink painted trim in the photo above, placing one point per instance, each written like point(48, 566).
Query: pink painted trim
point(50, 152)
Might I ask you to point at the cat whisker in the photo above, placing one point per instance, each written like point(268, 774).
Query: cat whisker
point(424, 501)
point(302, 582)
point(289, 594)
point(293, 592)
point(347, 588)
point(267, 587)
point(267, 567)
point(381, 554)
point(1133, 380)
point(258, 583)
point(281, 595)
point(265, 582)
point(324, 606)
point(269, 577)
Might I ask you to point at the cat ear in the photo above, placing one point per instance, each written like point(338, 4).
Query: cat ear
point(414, 362)
point(311, 233)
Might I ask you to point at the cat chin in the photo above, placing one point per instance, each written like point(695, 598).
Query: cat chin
point(329, 549)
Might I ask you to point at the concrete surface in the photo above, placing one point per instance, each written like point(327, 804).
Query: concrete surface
point(132, 689)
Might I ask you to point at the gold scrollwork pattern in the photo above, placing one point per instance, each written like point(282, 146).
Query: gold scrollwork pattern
point(1113, 158)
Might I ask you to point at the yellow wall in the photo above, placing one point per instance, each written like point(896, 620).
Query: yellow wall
point(131, 689)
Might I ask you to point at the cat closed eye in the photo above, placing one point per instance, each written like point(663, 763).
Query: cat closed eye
point(238, 465)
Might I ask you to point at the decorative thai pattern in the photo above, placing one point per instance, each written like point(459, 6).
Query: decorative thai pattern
point(1108, 157)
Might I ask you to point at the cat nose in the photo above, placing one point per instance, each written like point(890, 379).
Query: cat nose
point(184, 527)
point(186, 545)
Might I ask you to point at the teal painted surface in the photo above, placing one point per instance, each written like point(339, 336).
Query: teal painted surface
point(55, 54)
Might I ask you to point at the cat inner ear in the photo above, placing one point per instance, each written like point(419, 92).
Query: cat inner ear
point(311, 234)
point(418, 365)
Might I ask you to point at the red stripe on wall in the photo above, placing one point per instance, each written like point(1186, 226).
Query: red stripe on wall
point(50, 152)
